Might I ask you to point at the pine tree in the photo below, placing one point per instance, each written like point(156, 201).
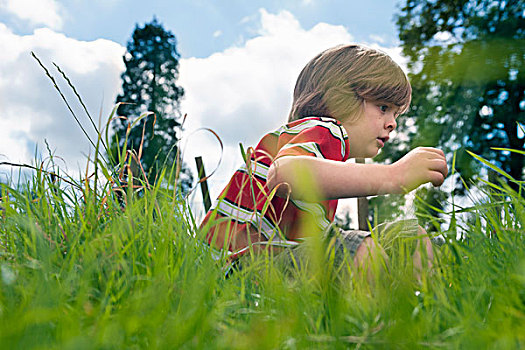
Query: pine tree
point(149, 85)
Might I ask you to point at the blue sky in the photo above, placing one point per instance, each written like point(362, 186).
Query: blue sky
point(203, 27)
point(239, 62)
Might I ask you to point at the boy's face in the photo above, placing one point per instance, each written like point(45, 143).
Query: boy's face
point(368, 134)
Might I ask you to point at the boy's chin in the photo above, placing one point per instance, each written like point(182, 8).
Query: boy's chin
point(377, 153)
point(367, 153)
point(372, 154)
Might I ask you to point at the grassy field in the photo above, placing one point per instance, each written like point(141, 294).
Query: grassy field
point(86, 266)
point(80, 271)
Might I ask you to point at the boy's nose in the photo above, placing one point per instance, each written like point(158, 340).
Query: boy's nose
point(391, 124)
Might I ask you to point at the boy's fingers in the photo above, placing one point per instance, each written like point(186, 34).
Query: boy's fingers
point(434, 152)
point(439, 165)
point(437, 178)
point(438, 152)
point(433, 149)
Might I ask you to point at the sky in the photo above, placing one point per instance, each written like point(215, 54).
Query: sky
point(239, 61)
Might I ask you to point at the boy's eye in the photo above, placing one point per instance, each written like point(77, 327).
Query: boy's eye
point(383, 108)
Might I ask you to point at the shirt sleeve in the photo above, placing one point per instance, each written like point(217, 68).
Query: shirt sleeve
point(318, 137)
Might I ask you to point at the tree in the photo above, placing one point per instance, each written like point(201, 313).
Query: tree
point(149, 85)
point(466, 66)
point(466, 60)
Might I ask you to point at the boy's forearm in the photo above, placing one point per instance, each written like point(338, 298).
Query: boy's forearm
point(308, 176)
point(317, 178)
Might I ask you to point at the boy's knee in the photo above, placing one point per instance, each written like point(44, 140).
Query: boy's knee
point(421, 231)
point(425, 239)
point(367, 249)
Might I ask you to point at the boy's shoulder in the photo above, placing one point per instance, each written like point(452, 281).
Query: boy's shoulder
point(313, 120)
point(315, 124)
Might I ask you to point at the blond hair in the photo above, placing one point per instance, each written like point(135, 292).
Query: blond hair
point(337, 81)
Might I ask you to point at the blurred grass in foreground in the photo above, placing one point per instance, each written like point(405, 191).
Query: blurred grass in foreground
point(80, 271)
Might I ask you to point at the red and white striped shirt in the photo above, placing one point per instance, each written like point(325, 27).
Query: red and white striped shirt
point(247, 212)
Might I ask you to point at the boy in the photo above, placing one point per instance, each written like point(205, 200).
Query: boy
point(345, 104)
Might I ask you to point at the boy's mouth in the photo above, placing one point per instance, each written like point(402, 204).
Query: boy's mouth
point(383, 140)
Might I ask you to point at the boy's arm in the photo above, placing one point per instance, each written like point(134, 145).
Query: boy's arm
point(310, 177)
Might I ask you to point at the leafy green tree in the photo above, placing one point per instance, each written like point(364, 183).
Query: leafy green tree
point(149, 84)
point(466, 66)
point(466, 60)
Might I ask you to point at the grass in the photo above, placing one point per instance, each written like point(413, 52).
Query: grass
point(80, 271)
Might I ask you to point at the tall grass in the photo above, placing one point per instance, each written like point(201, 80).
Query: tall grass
point(79, 270)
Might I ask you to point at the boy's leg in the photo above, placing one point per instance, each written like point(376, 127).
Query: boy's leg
point(405, 238)
point(424, 253)
point(366, 259)
point(339, 246)
point(359, 248)
point(366, 251)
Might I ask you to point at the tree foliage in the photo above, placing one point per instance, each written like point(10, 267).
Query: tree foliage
point(466, 60)
point(149, 85)
point(466, 66)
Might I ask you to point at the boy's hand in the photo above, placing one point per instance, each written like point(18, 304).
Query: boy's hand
point(419, 166)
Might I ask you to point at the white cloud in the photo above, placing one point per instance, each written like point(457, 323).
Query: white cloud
point(247, 19)
point(217, 33)
point(31, 109)
point(36, 12)
point(377, 38)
